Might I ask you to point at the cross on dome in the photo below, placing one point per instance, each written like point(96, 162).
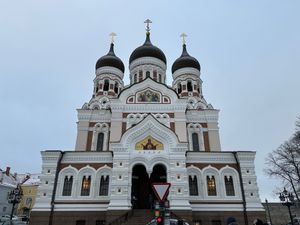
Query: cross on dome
point(183, 35)
point(112, 35)
point(147, 21)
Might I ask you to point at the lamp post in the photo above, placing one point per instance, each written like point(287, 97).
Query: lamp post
point(287, 199)
point(14, 197)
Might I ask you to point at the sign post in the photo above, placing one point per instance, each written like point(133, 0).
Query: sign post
point(161, 190)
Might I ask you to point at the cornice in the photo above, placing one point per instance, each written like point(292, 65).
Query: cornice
point(147, 61)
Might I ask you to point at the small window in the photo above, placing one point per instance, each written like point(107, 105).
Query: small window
point(189, 86)
point(80, 222)
point(135, 78)
point(116, 87)
point(193, 185)
point(211, 186)
point(159, 78)
point(229, 186)
point(4, 209)
point(86, 186)
point(140, 75)
point(155, 75)
point(100, 141)
point(147, 74)
point(179, 88)
point(106, 85)
point(100, 222)
point(195, 140)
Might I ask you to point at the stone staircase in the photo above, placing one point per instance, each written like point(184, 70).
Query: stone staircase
point(140, 217)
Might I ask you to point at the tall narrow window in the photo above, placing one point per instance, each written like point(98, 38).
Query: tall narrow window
point(229, 186)
point(159, 78)
point(147, 74)
point(155, 75)
point(140, 75)
point(211, 186)
point(104, 184)
point(100, 141)
point(193, 185)
point(116, 87)
point(189, 86)
point(179, 88)
point(106, 85)
point(86, 186)
point(67, 189)
point(195, 140)
point(135, 78)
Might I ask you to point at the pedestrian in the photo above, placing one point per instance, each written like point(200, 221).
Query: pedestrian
point(231, 221)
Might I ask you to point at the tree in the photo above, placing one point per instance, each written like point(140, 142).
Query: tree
point(284, 162)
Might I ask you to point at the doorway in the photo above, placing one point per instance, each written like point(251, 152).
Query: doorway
point(142, 195)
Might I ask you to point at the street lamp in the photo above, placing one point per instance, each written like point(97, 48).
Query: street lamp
point(287, 199)
point(14, 197)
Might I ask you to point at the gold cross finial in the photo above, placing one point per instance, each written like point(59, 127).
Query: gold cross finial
point(183, 35)
point(147, 21)
point(112, 35)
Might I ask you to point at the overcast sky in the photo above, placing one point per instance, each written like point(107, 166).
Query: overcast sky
point(249, 53)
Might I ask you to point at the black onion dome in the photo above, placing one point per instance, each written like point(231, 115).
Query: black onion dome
point(185, 60)
point(147, 49)
point(110, 60)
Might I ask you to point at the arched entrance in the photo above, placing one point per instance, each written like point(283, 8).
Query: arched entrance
point(142, 195)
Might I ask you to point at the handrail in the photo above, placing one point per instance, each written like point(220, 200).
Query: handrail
point(122, 219)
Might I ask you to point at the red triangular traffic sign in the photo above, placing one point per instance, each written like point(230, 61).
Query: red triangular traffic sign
point(161, 190)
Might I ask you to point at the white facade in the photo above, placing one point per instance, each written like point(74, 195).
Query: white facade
point(181, 123)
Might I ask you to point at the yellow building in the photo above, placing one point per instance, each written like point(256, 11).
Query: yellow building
point(29, 189)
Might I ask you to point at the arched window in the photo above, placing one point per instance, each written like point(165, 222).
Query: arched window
point(100, 141)
point(147, 74)
point(155, 75)
point(159, 78)
point(211, 186)
point(104, 184)
point(195, 140)
point(86, 186)
point(179, 88)
point(96, 89)
point(140, 75)
point(116, 87)
point(67, 189)
point(135, 78)
point(106, 85)
point(229, 185)
point(189, 86)
point(193, 185)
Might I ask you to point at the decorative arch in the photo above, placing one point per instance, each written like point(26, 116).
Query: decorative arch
point(98, 129)
point(210, 172)
point(149, 126)
point(67, 172)
point(227, 172)
point(195, 128)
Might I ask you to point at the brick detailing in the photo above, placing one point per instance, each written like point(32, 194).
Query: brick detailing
point(81, 165)
point(172, 126)
point(215, 165)
point(89, 141)
point(206, 141)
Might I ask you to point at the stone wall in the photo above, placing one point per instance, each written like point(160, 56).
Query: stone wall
point(280, 214)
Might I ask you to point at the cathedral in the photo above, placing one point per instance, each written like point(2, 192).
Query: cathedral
point(130, 136)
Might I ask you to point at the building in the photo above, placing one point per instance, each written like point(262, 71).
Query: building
point(8, 182)
point(29, 189)
point(129, 136)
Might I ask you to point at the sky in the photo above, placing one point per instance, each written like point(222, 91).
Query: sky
point(249, 53)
